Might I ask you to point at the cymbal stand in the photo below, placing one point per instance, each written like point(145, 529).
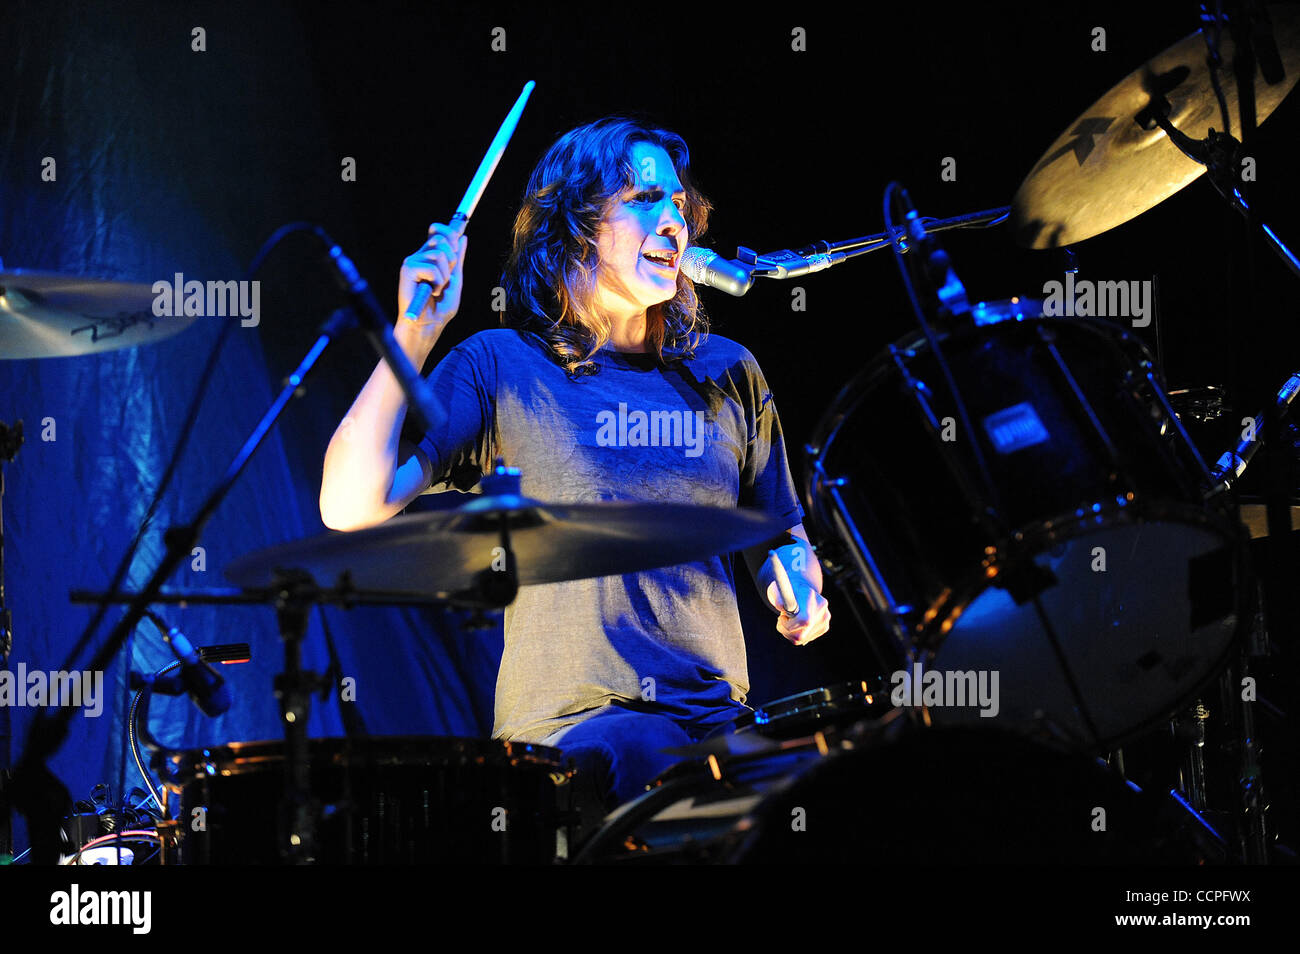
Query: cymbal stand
point(10, 440)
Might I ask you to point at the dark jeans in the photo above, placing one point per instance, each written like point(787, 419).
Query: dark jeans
point(619, 751)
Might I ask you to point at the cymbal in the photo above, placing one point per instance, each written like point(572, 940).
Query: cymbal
point(50, 315)
point(1107, 168)
point(445, 554)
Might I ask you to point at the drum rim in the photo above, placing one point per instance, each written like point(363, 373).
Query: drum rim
point(825, 697)
point(246, 757)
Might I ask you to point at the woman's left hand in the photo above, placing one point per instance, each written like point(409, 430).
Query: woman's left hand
point(813, 618)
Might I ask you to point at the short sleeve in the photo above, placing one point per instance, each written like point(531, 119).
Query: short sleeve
point(458, 447)
point(765, 480)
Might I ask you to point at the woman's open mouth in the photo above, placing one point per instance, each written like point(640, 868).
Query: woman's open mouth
point(663, 258)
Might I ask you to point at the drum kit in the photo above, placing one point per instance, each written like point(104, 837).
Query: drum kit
point(1009, 500)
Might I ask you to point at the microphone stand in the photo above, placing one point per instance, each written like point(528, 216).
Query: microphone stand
point(870, 243)
point(11, 439)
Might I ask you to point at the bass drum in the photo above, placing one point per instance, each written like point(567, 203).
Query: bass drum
point(383, 801)
point(1072, 563)
point(906, 796)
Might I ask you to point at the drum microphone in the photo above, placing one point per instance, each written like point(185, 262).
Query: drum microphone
point(936, 264)
point(1229, 467)
point(197, 679)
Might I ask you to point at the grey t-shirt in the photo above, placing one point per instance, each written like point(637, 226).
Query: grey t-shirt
point(666, 640)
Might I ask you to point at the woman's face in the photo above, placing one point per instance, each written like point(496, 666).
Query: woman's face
point(643, 237)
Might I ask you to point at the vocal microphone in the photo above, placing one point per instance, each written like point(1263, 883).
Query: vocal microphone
point(736, 276)
point(706, 267)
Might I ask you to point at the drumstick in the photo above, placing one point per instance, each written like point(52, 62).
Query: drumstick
point(783, 586)
point(475, 191)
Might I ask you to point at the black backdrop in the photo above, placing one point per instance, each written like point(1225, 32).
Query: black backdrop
point(172, 159)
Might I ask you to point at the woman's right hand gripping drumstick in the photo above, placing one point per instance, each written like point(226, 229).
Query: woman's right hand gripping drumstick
point(440, 261)
point(368, 475)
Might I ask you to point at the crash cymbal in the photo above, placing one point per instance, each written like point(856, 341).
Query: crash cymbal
point(1113, 163)
point(49, 315)
point(444, 554)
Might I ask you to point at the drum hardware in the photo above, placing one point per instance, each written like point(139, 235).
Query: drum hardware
point(1252, 803)
point(97, 833)
point(1201, 404)
point(839, 705)
point(137, 721)
point(11, 439)
point(983, 509)
point(1216, 772)
point(1230, 467)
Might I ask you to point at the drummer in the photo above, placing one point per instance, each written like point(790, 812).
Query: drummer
point(604, 385)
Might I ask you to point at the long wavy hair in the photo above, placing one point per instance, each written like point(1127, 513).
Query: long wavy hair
point(550, 276)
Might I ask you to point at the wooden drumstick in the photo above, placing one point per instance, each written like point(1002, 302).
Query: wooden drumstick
point(475, 191)
point(783, 586)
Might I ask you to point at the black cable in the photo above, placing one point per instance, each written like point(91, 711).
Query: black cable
point(121, 755)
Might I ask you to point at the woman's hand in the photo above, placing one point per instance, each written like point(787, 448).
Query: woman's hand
point(440, 262)
point(812, 619)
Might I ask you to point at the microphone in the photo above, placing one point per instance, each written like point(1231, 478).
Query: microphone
point(937, 267)
point(197, 678)
point(735, 276)
point(706, 267)
point(1232, 464)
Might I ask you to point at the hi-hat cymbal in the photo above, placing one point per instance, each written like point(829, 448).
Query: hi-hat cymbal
point(49, 315)
point(445, 554)
point(1113, 163)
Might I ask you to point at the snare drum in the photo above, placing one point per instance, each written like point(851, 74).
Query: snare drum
point(383, 801)
point(1074, 557)
point(807, 712)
